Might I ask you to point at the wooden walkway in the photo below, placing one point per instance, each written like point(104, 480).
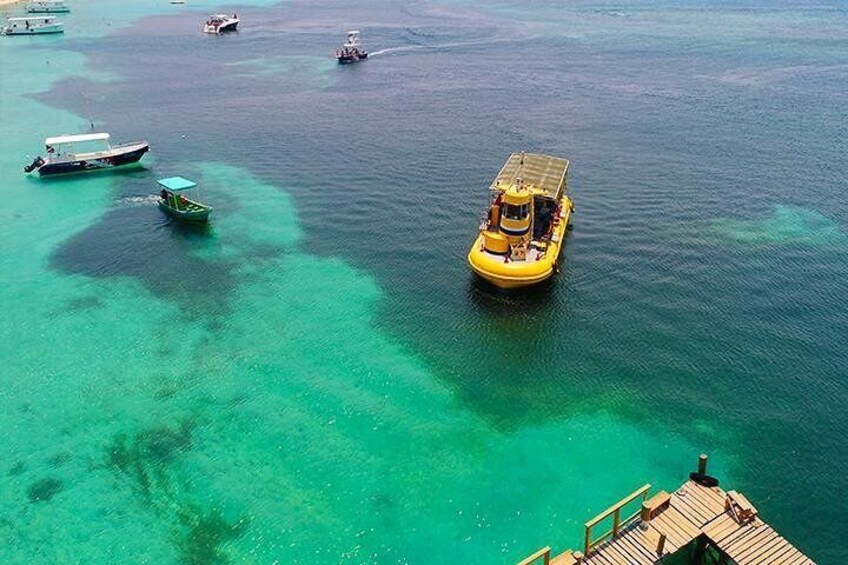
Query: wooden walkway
point(707, 520)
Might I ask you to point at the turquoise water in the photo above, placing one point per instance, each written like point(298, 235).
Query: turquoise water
point(317, 376)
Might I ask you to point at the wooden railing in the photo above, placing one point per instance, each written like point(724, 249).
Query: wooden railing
point(617, 522)
point(544, 554)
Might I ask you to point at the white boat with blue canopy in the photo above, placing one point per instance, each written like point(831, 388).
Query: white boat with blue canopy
point(32, 25)
point(173, 200)
point(47, 7)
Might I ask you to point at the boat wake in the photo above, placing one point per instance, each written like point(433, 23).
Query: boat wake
point(131, 201)
point(394, 50)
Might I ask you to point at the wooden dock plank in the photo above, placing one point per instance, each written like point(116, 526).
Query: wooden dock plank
point(695, 499)
point(619, 553)
point(674, 537)
point(608, 551)
point(734, 535)
point(720, 527)
point(778, 548)
point(564, 558)
point(791, 557)
point(645, 541)
point(754, 541)
point(714, 497)
point(598, 558)
point(745, 536)
point(636, 545)
point(637, 551)
point(694, 514)
point(762, 551)
point(681, 523)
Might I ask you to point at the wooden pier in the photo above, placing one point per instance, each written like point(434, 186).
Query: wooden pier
point(699, 521)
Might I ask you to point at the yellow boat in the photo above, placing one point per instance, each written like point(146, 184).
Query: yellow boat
point(521, 237)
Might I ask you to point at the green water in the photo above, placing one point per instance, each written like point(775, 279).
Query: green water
point(282, 386)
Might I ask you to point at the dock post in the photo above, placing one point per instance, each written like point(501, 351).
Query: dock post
point(702, 463)
point(578, 556)
point(645, 514)
point(661, 544)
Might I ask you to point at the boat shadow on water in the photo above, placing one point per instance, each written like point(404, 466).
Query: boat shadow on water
point(507, 302)
point(188, 230)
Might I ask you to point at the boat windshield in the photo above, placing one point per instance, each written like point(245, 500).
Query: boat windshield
point(516, 211)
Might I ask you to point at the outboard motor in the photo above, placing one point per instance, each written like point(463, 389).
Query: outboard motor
point(36, 163)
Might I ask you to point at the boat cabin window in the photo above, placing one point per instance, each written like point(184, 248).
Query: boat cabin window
point(516, 211)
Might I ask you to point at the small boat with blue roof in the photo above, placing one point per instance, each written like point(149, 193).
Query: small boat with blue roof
point(174, 202)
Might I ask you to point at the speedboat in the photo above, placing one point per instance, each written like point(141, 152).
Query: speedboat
point(47, 7)
point(31, 25)
point(220, 23)
point(520, 238)
point(172, 200)
point(351, 51)
point(63, 157)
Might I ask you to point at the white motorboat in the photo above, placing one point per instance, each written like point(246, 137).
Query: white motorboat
point(64, 154)
point(32, 25)
point(221, 23)
point(47, 7)
point(351, 51)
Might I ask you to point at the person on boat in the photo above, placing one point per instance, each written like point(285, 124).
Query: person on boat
point(163, 194)
point(183, 201)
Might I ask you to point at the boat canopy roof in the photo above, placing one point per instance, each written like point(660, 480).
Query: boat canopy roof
point(544, 173)
point(353, 32)
point(30, 18)
point(176, 184)
point(76, 138)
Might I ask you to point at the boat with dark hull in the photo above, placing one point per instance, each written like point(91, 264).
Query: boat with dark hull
point(351, 51)
point(63, 158)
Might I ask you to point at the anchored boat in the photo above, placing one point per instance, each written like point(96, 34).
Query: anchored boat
point(172, 200)
point(47, 7)
point(62, 156)
point(520, 239)
point(221, 23)
point(351, 51)
point(31, 25)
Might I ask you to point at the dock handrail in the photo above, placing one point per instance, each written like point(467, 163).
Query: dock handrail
point(544, 554)
point(617, 522)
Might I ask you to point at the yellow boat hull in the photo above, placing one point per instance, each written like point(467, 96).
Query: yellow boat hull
point(516, 274)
